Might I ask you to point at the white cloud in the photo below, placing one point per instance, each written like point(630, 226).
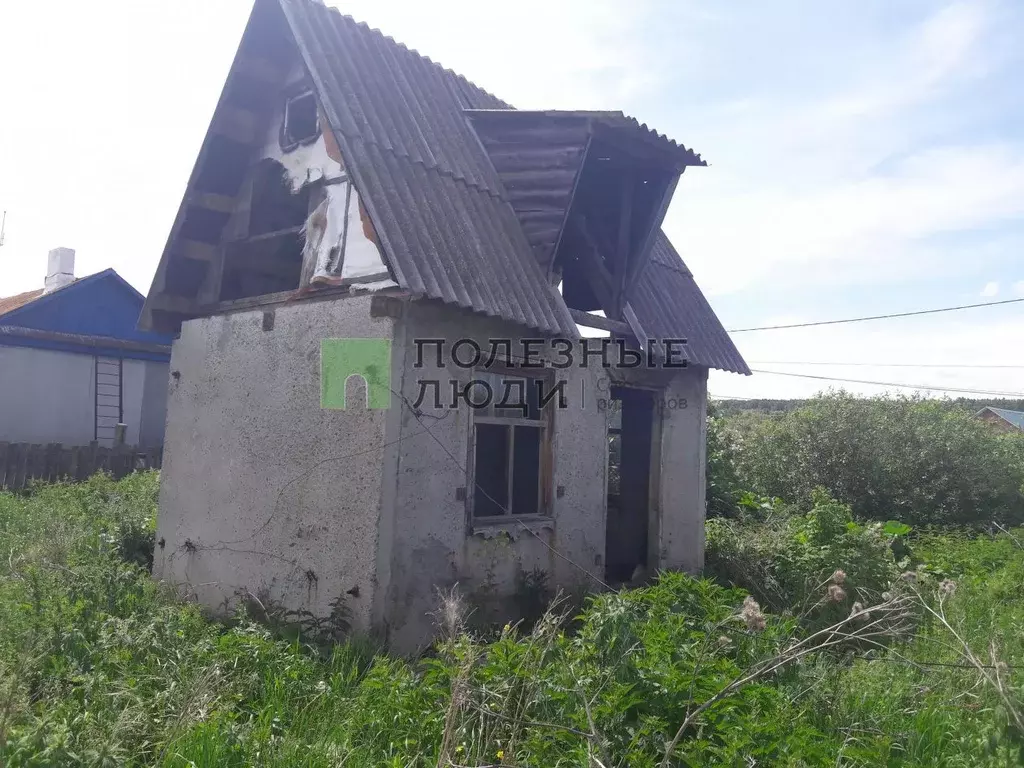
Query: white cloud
point(991, 289)
point(1018, 288)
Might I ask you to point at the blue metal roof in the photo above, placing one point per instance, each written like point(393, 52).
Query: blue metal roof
point(97, 314)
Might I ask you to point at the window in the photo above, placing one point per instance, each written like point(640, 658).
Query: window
point(301, 121)
point(511, 447)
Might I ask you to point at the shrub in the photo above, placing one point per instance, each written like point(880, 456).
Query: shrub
point(924, 462)
point(787, 560)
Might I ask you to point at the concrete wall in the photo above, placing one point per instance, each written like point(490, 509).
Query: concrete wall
point(50, 397)
point(262, 489)
point(683, 464)
point(433, 544)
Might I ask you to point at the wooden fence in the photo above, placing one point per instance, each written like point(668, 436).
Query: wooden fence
point(21, 463)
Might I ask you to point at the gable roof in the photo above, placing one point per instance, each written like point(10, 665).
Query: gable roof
point(446, 222)
point(103, 306)
point(433, 195)
point(1016, 418)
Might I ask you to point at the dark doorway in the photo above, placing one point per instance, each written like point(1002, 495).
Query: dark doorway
point(631, 455)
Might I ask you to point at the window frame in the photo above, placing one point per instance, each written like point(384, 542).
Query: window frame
point(303, 90)
point(546, 425)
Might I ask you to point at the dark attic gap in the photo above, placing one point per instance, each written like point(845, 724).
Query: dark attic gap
point(267, 258)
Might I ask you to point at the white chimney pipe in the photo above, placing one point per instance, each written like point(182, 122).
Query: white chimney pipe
point(60, 269)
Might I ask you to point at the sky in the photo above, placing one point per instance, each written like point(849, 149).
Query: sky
point(864, 157)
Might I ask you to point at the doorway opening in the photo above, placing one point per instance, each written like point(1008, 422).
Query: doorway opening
point(632, 455)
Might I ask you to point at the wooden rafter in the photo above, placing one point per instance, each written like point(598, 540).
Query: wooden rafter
point(622, 251)
point(643, 249)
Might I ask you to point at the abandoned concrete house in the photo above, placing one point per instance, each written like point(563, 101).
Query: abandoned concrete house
point(350, 188)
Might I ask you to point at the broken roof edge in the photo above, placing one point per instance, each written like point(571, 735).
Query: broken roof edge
point(615, 119)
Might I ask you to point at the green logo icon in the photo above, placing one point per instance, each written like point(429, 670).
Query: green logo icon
point(340, 359)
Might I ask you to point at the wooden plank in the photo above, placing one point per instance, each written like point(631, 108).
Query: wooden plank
point(601, 280)
point(596, 321)
point(237, 124)
point(624, 242)
point(259, 69)
point(74, 464)
point(167, 303)
point(634, 324)
point(34, 466)
point(4, 447)
point(11, 472)
point(21, 467)
point(643, 250)
point(198, 250)
point(64, 463)
point(212, 201)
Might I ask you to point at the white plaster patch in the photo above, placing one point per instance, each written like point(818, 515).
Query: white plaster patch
point(304, 164)
point(336, 244)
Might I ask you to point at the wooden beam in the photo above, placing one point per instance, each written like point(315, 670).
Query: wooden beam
point(263, 262)
point(213, 201)
point(643, 250)
point(601, 280)
point(588, 320)
point(259, 69)
point(167, 303)
point(634, 325)
point(198, 250)
point(623, 248)
point(237, 124)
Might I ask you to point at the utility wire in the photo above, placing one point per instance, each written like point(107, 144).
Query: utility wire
point(881, 365)
point(878, 317)
point(894, 384)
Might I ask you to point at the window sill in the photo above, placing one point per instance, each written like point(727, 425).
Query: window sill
point(513, 527)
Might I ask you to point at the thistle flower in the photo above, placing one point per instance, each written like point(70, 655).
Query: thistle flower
point(839, 576)
point(752, 615)
point(947, 587)
point(836, 594)
point(858, 607)
point(909, 576)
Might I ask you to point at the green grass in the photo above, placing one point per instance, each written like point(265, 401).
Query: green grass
point(101, 666)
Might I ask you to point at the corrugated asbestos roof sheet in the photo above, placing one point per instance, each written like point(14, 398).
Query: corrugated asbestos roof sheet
point(616, 120)
point(439, 208)
point(1013, 417)
point(443, 215)
point(668, 304)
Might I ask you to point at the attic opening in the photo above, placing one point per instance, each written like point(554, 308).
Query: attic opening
point(301, 124)
point(266, 255)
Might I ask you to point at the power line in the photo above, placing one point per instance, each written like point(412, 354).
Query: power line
point(878, 317)
point(894, 384)
point(881, 365)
